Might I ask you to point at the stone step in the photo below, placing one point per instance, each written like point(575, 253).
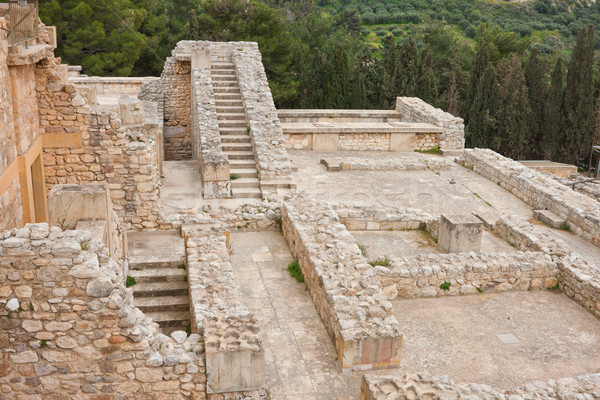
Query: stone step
point(226, 90)
point(143, 262)
point(170, 318)
point(242, 164)
point(239, 155)
point(223, 72)
point(227, 131)
point(235, 117)
point(231, 110)
point(158, 275)
point(229, 103)
point(233, 124)
point(216, 77)
point(244, 172)
point(224, 84)
point(222, 65)
point(227, 147)
point(228, 96)
point(246, 193)
point(153, 289)
point(245, 183)
point(236, 139)
point(162, 303)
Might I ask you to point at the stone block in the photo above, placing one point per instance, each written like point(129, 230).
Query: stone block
point(460, 233)
point(402, 142)
point(201, 58)
point(131, 111)
point(68, 204)
point(488, 217)
point(326, 141)
point(233, 371)
point(549, 218)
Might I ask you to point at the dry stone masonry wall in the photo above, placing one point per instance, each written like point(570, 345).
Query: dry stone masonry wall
point(343, 286)
point(403, 164)
point(414, 109)
point(69, 327)
point(423, 386)
point(235, 358)
point(176, 87)
point(265, 129)
point(538, 190)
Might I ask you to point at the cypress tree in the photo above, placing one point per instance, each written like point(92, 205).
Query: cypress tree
point(481, 131)
point(389, 61)
point(407, 70)
point(513, 110)
point(427, 83)
point(552, 113)
point(358, 88)
point(337, 84)
point(482, 59)
point(578, 103)
point(535, 78)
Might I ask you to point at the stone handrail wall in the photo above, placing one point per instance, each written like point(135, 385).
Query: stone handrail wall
point(423, 386)
point(335, 116)
point(538, 190)
point(467, 273)
point(206, 139)
point(71, 329)
point(343, 286)
point(366, 164)
point(235, 359)
point(265, 129)
point(414, 109)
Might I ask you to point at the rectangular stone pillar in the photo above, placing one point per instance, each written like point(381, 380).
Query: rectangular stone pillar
point(460, 233)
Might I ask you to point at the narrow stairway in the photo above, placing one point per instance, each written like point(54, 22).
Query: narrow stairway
point(157, 263)
point(234, 130)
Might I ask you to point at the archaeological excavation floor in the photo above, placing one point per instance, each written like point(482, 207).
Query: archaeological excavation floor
point(545, 336)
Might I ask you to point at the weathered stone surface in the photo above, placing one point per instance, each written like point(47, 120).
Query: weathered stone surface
point(101, 287)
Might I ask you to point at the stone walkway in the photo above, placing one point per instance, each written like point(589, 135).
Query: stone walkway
point(301, 359)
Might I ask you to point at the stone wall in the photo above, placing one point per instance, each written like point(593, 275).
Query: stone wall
point(112, 85)
point(423, 386)
point(539, 191)
point(69, 327)
point(176, 87)
point(590, 189)
point(24, 105)
point(265, 129)
point(235, 358)
point(416, 110)
point(11, 205)
point(114, 144)
point(399, 163)
point(343, 286)
point(213, 163)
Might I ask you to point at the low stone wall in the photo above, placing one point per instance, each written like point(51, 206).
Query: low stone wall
point(423, 386)
point(235, 358)
point(466, 273)
point(63, 305)
point(538, 190)
point(337, 116)
point(416, 110)
point(112, 85)
point(214, 165)
point(361, 217)
point(590, 189)
point(343, 287)
point(366, 164)
point(151, 92)
point(265, 129)
point(176, 87)
point(559, 170)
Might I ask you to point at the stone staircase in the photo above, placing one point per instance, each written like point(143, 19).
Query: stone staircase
point(234, 130)
point(161, 289)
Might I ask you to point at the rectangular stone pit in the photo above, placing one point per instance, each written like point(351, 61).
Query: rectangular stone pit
point(460, 233)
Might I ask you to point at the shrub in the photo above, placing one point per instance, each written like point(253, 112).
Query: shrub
point(295, 271)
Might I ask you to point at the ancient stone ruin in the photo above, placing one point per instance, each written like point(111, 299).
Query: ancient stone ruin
point(178, 237)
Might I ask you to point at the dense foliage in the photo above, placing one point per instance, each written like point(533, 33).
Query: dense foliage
point(520, 74)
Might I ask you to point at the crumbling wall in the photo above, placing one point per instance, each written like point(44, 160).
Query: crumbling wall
point(69, 327)
point(176, 87)
point(414, 109)
point(538, 190)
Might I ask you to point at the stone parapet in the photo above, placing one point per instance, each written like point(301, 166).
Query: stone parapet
point(71, 329)
point(401, 164)
point(265, 129)
point(364, 217)
point(207, 149)
point(343, 286)
point(414, 109)
point(423, 386)
point(539, 191)
point(235, 359)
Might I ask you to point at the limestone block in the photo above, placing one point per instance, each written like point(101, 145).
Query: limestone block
point(549, 218)
point(67, 204)
point(326, 141)
point(402, 142)
point(131, 111)
point(460, 233)
point(233, 371)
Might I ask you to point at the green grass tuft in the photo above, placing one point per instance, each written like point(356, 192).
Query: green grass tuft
point(130, 281)
point(435, 150)
point(565, 227)
point(362, 249)
point(380, 262)
point(295, 271)
point(233, 177)
point(445, 285)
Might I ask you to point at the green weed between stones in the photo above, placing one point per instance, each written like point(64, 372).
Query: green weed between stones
point(130, 281)
point(295, 271)
point(445, 285)
point(380, 262)
point(362, 249)
point(233, 177)
point(565, 227)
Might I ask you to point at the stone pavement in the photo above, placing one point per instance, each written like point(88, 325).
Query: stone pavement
point(301, 358)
